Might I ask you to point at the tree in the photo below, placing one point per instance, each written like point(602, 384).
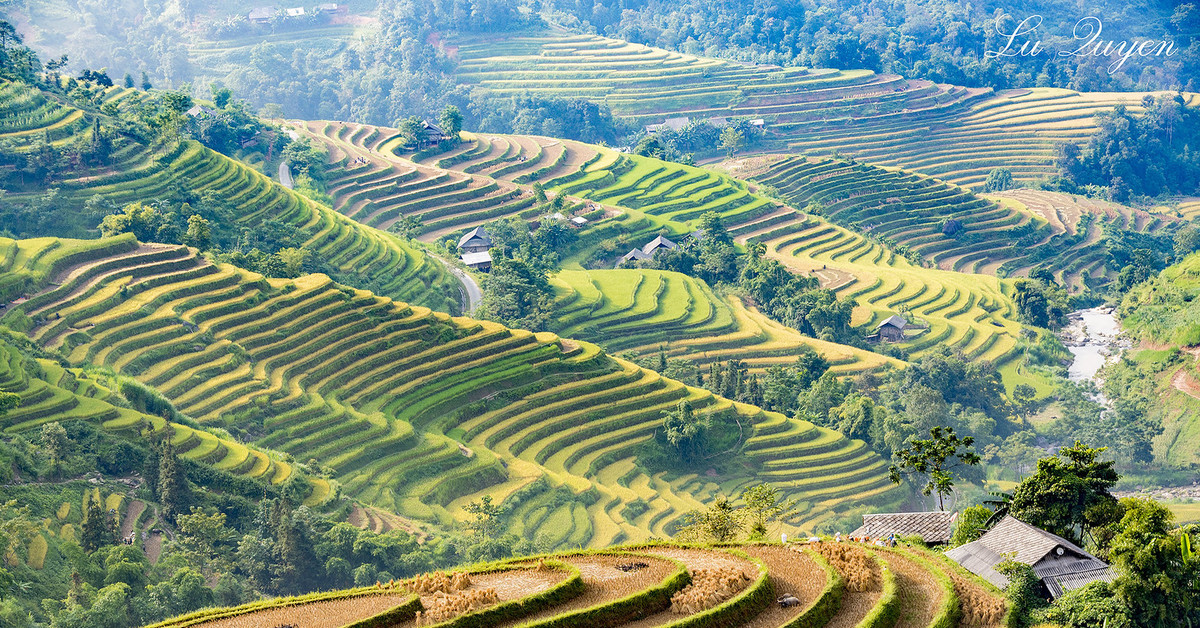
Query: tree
point(971, 524)
point(146, 86)
point(936, 458)
point(684, 432)
point(762, 505)
point(719, 523)
point(998, 180)
point(128, 81)
point(99, 528)
point(1069, 493)
point(487, 523)
point(1023, 396)
point(1159, 580)
point(221, 96)
point(731, 140)
point(55, 442)
point(451, 121)
point(206, 541)
point(174, 490)
point(199, 232)
point(1022, 592)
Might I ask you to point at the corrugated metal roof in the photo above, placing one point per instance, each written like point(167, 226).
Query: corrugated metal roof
point(1059, 563)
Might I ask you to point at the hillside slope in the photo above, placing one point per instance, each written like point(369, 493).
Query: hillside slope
point(51, 393)
point(957, 230)
point(954, 133)
point(417, 411)
point(136, 172)
point(375, 181)
point(640, 196)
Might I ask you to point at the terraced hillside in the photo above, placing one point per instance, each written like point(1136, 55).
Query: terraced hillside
point(51, 393)
point(833, 584)
point(416, 411)
point(354, 253)
point(954, 133)
point(488, 176)
point(647, 311)
point(970, 312)
point(955, 229)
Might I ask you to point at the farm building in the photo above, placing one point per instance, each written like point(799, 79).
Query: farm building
point(200, 111)
point(891, 329)
point(261, 15)
point(658, 243)
point(433, 134)
point(579, 221)
point(330, 8)
point(635, 255)
point(475, 241)
point(1060, 564)
point(673, 124)
point(646, 252)
point(933, 527)
point(478, 261)
point(294, 12)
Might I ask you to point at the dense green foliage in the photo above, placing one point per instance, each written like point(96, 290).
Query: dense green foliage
point(933, 39)
point(1069, 493)
point(1139, 155)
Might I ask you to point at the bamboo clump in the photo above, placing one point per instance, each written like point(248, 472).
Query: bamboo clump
point(709, 588)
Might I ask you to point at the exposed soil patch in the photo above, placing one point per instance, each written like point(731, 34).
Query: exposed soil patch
point(792, 573)
point(603, 582)
point(327, 614)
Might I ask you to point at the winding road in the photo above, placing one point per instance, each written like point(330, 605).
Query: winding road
point(470, 287)
point(474, 294)
point(285, 175)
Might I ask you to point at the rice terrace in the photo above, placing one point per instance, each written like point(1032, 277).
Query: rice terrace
point(503, 313)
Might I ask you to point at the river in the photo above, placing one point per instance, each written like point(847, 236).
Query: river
point(1093, 337)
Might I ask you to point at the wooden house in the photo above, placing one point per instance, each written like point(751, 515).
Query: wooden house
point(933, 527)
point(475, 241)
point(891, 330)
point(1060, 564)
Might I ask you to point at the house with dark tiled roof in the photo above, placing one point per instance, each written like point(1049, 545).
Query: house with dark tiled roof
point(475, 241)
point(1060, 564)
point(933, 527)
point(658, 243)
point(632, 255)
point(891, 329)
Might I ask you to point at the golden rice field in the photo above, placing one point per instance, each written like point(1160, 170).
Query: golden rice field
point(833, 585)
point(416, 411)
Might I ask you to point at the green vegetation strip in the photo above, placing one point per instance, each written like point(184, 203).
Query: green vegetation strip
point(887, 610)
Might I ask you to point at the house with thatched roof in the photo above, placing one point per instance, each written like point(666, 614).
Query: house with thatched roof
point(1060, 564)
point(933, 527)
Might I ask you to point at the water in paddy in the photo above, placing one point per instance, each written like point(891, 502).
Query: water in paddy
point(1093, 337)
